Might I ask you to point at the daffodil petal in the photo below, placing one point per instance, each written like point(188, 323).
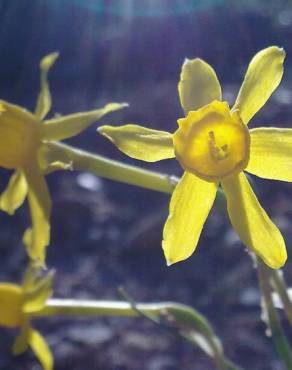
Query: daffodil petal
point(189, 207)
point(11, 297)
point(251, 222)
point(44, 100)
point(140, 142)
point(263, 76)
point(198, 85)
point(40, 209)
point(271, 153)
point(41, 349)
point(27, 238)
point(61, 128)
point(21, 342)
point(15, 193)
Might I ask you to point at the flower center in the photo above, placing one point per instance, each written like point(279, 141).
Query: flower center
point(218, 153)
point(19, 135)
point(212, 142)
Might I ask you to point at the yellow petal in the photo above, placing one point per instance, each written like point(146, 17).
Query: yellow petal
point(40, 209)
point(41, 349)
point(21, 343)
point(44, 100)
point(251, 222)
point(64, 127)
point(11, 298)
point(198, 85)
point(189, 207)
point(19, 135)
point(140, 142)
point(271, 153)
point(15, 193)
point(263, 76)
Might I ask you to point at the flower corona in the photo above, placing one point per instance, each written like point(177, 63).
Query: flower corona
point(212, 142)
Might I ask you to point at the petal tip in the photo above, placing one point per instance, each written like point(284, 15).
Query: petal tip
point(282, 51)
point(55, 54)
point(278, 260)
point(169, 262)
point(278, 50)
point(192, 61)
point(279, 263)
point(102, 129)
point(48, 60)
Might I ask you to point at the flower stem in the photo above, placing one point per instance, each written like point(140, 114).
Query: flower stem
point(280, 287)
point(85, 161)
point(271, 315)
point(184, 317)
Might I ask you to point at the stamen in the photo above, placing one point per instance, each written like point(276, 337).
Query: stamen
point(218, 153)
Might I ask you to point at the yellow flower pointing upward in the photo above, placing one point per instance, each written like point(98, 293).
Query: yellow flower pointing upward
point(214, 146)
point(23, 146)
point(17, 304)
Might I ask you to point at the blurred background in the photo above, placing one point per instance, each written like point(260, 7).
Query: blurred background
point(106, 234)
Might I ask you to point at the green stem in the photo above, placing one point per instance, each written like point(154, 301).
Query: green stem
point(186, 318)
point(273, 321)
point(180, 314)
point(183, 314)
point(281, 288)
point(72, 307)
point(85, 161)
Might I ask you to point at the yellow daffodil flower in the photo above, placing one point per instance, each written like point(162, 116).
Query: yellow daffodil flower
point(17, 304)
point(214, 146)
point(23, 145)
